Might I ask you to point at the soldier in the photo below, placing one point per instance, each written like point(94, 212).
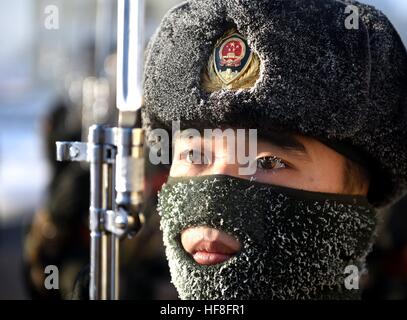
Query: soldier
point(57, 234)
point(327, 97)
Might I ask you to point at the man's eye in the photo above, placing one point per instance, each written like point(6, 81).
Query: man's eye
point(193, 157)
point(270, 163)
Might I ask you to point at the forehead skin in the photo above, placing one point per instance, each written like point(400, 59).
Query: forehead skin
point(310, 165)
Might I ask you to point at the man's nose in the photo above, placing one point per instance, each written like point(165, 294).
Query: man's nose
point(225, 167)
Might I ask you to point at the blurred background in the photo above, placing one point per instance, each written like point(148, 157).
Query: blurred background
point(57, 76)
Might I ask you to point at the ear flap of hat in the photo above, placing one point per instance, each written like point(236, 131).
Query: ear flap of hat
point(385, 136)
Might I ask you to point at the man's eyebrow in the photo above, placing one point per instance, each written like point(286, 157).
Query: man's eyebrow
point(286, 141)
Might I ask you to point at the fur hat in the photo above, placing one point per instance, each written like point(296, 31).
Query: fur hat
point(314, 76)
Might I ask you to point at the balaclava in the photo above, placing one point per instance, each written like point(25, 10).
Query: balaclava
point(294, 244)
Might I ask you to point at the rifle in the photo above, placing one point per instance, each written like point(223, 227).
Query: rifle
point(116, 159)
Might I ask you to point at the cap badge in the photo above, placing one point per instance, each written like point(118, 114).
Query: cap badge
point(232, 57)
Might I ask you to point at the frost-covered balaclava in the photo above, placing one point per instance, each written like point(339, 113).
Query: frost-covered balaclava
point(294, 244)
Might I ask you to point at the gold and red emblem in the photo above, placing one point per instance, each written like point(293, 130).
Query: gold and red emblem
point(232, 57)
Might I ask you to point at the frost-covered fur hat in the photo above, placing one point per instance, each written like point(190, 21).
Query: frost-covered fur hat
point(314, 76)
